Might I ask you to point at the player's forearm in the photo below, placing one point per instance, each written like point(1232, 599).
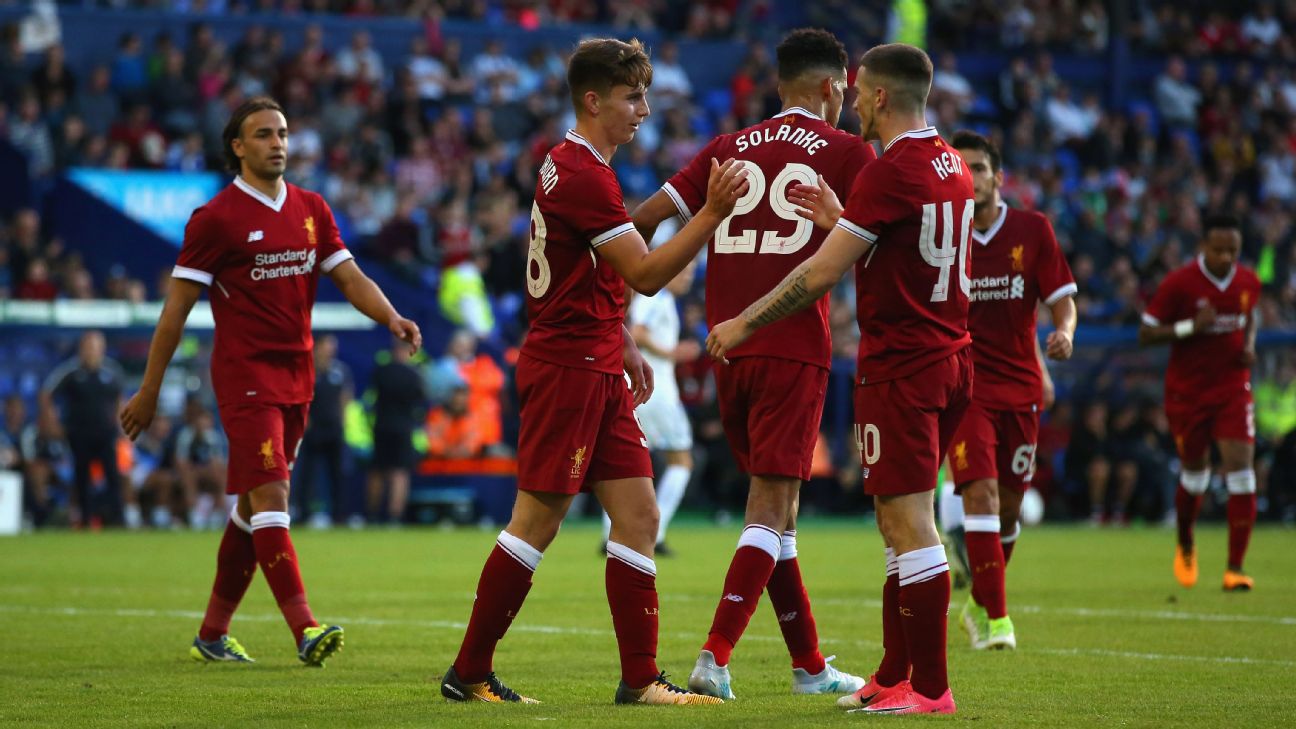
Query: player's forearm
point(166, 337)
point(369, 300)
point(656, 269)
point(1150, 334)
point(1064, 315)
point(801, 288)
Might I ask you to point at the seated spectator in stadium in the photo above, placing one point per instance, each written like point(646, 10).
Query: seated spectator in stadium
point(36, 284)
point(947, 83)
point(153, 474)
point(129, 70)
point(453, 430)
point(96, 103)
point(53, 75)
point(1176, 98)
point(671, 86)
point(29, 132)
point(400, 404)
point(200, 456)
point(494, 67)
point(359, 61)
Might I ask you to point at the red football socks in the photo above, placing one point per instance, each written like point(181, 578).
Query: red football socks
point(278, 560)
point(895, 652)
point(503, 586)
point(791, 603)
point(924, 608)
point(631, 580)
point(749, 573)
point(985, 555)
point(236, 564)
point(1186, 507)
point(1241, 518)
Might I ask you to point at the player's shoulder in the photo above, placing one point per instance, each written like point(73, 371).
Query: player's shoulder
point(1032, 223)
point(310, 197)
point(1247, 276)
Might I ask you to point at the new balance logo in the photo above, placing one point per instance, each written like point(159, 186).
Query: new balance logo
point(733, 598)
point(255, 236)
point(787, 617)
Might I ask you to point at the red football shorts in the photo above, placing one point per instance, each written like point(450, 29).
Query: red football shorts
point(263, 442)
point(578, 428)
point(1194, 425)
point(770, 409)
point(996, 444)
point(903, 427)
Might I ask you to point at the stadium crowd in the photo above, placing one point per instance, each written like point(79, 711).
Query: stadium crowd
point(430, 163)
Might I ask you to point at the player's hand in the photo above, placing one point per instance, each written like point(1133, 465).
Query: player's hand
point(818, 204)
point(725, 337)
point(408, 332)
point(138, 413)
point(687, 351)
point(1058, 345)
point(1248, 355)
point(641, 375)
point(1204, 319)
point(725, 185)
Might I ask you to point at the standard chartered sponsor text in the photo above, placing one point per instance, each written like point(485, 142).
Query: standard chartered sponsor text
point(266, 269)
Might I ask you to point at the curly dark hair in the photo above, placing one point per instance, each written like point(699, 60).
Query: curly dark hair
point(809, 48)
point(234, 127)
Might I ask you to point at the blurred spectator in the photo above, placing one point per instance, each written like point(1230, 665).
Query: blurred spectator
point(495, 74)
point(485, 382)
point(87, 391)
point(359, 61)
point(1176, 99)
point(399, 407)
point(452, 429)
point(323, 447)
point(46, 461)
point(463, 296)
point(153, 474)
point(31, 135)
point(671, 86)
point(200, 456)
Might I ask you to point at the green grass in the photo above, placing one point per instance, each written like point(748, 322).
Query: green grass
point(95, 628)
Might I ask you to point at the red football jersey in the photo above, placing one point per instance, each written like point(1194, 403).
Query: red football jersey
point(1015, 265)
point(1206, 367)
point(261, 258)
point(575, 302)
point(764, 239)
point(915, 206)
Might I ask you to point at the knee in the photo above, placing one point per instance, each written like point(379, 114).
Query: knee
point(981, 497)
point(269, 497)
point(538, 533)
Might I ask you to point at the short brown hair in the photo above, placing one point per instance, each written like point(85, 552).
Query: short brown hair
point(234, 127)
point(906, 72)
point(598, 64)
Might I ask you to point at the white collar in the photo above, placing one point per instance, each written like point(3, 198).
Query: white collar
point(572, 136)
point(275, 204)
point(798, 110)
point(911, 134)
point(1220, 283)
point(986, 237)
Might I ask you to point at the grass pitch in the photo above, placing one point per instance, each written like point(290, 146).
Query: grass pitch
point(95, 630)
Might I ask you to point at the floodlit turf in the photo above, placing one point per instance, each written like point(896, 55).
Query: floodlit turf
point(95, 631)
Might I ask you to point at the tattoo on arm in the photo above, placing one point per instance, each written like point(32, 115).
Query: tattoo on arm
point(790, 296)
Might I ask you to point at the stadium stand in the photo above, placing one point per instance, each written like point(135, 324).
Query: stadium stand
point(423, 124)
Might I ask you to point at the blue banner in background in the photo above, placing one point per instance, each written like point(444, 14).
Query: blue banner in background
point(161, 201)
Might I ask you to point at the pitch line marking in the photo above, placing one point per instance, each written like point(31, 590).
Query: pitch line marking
point(597, 632)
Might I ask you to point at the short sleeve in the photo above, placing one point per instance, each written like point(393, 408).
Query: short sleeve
point(1053, 275)
point(202, 253)
point(1164, 306)
point(332, 251)
point(597, 210)
point(688, 187)
point(874, 203)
